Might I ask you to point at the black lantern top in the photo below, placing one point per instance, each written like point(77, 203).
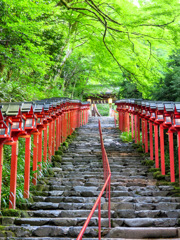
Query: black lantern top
point(26, 107)
point(5, 128)
point(176, 120)
point(152, 109)
point(159, 112)
point(13, 109)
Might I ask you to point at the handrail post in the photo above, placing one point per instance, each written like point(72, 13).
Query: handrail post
point(109, 203)
point(99, 219)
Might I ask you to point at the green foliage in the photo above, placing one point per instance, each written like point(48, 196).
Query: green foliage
point(148, 162)
point(128, 90)
point(103, 109)
point(11, 212)
point(158, 175)
point(63, 48)
point(168, 88)
point(126, 137)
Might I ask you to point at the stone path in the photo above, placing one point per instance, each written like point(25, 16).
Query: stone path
point(139, 208)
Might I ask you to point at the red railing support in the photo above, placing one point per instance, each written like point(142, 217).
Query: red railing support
point(107, 178)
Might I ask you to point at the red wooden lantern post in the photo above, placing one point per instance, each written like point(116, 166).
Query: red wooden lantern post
point(47, 111)
point(159, 122)
point(131, 111)
point(167, 124)
point(135, 112)
point(18, 125)
point(78, 115)
point(60, 123)
point(127, 115)
point(68, 117)
point(41, 126)
point(138, 110)
point(144, 126)
point(168, 115)
point(54, 116)
point(151, 123)
point(176, 125)
point(123, 117)
point(118, 109)
point(30, 128)
point(147, 116)
point(63, 126)
point(5, 136)
point(58, 114)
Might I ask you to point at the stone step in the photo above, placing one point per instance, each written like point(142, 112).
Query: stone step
point(59, 198)
point(164, 206)
point(114, 205)
point(52, 231)
point(67, 213)
point(59, 238)
point(122, 232)
point(143, 233)
point(85, 192)
point(116, 222)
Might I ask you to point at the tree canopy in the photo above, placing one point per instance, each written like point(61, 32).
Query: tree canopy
point(63, 47)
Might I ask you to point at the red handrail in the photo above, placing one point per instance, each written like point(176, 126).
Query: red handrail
point(107, 184)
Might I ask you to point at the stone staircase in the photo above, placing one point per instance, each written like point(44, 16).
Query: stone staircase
point(62, 202)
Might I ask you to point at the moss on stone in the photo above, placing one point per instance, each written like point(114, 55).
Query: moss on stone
point(57, 164)
point(56, 158)
point(65, 144)
point(11, 212)
point(148, 163)
point(59, 152)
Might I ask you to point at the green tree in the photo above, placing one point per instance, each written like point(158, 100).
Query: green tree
point(168, 88)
